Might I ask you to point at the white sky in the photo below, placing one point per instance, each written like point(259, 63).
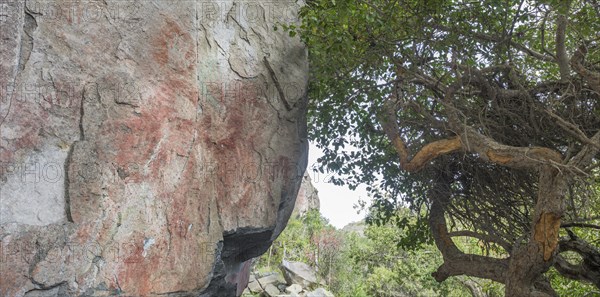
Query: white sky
point(337, 202)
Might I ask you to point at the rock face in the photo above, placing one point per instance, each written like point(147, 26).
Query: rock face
point(308, 196)
point(146, 147)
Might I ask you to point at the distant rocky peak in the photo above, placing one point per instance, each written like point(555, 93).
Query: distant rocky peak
point(308, 196)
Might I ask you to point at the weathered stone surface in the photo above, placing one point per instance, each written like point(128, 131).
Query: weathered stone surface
point(272, 291)
point(255, 287)
point(293, 289)
point(270, 279)
point(308, 196)
point(298, 273)
point(320, 292)
point(146, 147)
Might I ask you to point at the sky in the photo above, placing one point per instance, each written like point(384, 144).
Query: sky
point(337, 202)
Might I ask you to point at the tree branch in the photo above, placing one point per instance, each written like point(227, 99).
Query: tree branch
point(580, 225)
point(484, 237)
point(593, 78)
point(487, 37)
point(389, 122)
point(561, 49)
point(586, 154)
point(589, 268)
point(572, 129)
point(455, 261)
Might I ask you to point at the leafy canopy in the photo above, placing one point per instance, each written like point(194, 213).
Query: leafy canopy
point(391, 77)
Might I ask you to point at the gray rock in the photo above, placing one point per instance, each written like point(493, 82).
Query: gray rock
point(282, 286)
point(272, 291)
point(320, 292)
point(255, 287)
point(308, 196)
point(298, 273)
point(293, 289)
point(271, 279)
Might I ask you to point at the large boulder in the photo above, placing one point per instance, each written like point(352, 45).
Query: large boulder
point(147, 148)
point(274, 278)
point(298, 273)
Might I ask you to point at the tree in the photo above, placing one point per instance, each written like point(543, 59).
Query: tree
point(381, 267)
point(484, 113)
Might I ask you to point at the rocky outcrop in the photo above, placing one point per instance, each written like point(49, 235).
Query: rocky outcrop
point(308, 196)
point(146, 147)
point(356, 227)
point(273, 285)
point(298, 273)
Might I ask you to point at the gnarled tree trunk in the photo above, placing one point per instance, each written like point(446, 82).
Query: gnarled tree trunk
point(536, 255)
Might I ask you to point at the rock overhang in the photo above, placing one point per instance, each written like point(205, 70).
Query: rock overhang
point(147, 109)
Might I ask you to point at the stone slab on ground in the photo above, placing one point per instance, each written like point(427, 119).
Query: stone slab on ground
point(294, 288)
point(320, 292)
point(298, 273)
point(272, 291)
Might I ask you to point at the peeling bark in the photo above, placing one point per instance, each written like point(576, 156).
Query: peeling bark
point(389, 122)
point(530, 260)
point(546, 233)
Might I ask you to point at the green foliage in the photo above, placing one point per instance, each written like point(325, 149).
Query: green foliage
point(390, 270)
point(356, 47)
point(567, 287)
point(364, 52)
point(294, 244)
point(372, 264)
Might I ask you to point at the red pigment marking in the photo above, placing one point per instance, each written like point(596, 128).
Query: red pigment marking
point(159, 116)
point(231, 138)
point(178, 222)
point(171, 36)
point(249, 192)
point(136, 274)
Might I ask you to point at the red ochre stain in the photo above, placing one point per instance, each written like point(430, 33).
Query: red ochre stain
point(137, 273)
point(230, 127)
point(159, 120)
point(171, 38)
